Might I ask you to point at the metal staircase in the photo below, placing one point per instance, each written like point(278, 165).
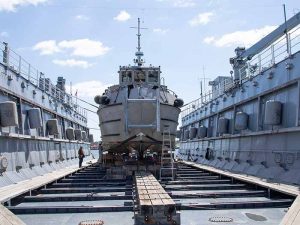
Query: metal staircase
point(167, 165)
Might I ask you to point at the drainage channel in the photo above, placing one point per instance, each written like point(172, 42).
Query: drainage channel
point(86, 195)
point(201, 198)
point(207, 198)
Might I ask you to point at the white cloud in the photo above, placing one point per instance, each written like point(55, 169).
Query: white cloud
point(209, 40)
point(82, 17)
point(201, 19)
point(84, 47)
point(79, 47)
point(161, 31)
point(122, 16)
point(47, 47)
point(73, 63)
point(183, 3)
point(245, 38)
point(180, 3)
point(89, 88)
point(11, 5)
point(4, 34)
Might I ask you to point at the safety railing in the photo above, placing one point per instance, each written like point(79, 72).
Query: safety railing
point(281, 49)
point(14, 62)
point(275, 53)
point(193, 106)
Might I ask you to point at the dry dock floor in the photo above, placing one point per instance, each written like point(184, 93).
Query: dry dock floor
point(292, 217)
point(202, 194)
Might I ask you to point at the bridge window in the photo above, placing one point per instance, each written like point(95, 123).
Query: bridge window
point(126, 76)
point(153, 76)
point(139, 76)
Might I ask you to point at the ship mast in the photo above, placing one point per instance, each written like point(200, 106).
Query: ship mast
point(139, 35)
point(139, 54)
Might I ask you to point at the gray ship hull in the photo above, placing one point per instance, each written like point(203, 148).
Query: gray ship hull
point(113, 126)
point(250, 124)
point(34, 118)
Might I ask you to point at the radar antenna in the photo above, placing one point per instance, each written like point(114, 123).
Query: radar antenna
point(139, 54)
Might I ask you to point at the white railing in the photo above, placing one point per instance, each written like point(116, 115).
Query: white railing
point(14, 62)
point(196, 104)
point(281, 49)
point(206, 98)
point(275, 53)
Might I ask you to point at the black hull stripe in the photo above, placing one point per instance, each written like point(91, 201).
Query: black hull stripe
point(117, 120)
point(169, 120)
point(110, 121)
point(110, 135)
point(120, 103)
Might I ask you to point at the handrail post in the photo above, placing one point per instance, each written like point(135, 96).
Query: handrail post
point(259, 63)
point(248, 74)
point(6, 54)
point(29, 68)
point(289, 44)
point(273, 55)
point(37, 78)
point(20, 64)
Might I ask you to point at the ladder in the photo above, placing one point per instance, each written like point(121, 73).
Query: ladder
point(167, 164)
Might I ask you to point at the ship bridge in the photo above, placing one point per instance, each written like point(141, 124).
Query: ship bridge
point(129, 75)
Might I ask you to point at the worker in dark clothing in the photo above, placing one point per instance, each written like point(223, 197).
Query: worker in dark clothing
point(100, 152)
point(207, 154)
point(80, 156)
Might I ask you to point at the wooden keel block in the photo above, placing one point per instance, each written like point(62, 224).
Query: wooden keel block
point(155, 206)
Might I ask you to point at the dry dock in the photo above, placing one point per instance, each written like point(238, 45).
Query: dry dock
point(198, 195)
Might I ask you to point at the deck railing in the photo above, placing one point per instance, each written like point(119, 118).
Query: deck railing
point(277, 51)
point(15, 63)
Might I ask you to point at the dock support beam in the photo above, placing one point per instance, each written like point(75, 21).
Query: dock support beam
point(154, 205)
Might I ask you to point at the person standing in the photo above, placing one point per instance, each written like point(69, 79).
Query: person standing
point(80, 156)
point(100, 152)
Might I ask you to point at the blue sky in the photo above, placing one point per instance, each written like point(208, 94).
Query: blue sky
point(86, 40)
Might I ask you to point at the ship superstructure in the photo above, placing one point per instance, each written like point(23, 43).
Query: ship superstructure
point(134, 113)
point(249, 122)
point(41, 125)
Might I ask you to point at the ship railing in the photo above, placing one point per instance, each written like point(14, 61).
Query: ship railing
point(278, 51)
point(204, 99)
point(15, 63)
point(194, 105)
point(222, 87)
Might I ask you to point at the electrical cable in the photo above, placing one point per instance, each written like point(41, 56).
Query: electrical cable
point(85, 102)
